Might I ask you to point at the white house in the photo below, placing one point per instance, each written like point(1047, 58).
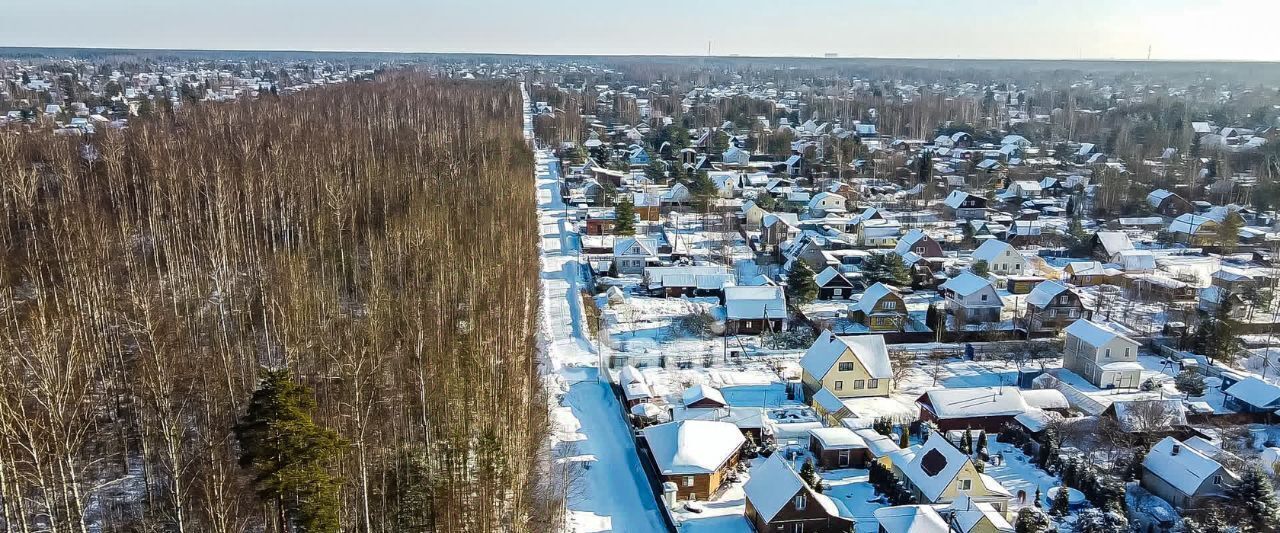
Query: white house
point(1002, 258)
point(1102, 355)
point(825, 203)
point(632, 254)
point(972, 299)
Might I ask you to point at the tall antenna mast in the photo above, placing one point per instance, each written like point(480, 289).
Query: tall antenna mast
point(708, 48)
point(1148, 52)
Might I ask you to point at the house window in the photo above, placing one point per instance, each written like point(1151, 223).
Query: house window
point(1053, 313)
point(889, 305)
point(797, 528)
point(1217, 480)
point(966, 484)
point(1107, 354)
point(839, 385)
point(747, 324)
point(1064, 299)
point(838, 293)
point(1126, 352)
point(984, 297)
point(688, 481)
point(873, 383)
point(801, 502)
point(859, 384)
point(1071, 313)
point(846, 366)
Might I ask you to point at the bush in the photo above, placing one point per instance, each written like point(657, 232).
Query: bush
point(695, 325)
point(1190, 383)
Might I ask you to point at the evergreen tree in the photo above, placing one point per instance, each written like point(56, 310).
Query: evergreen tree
point(1190, 383)
point(411, 496)
point(873, 268)
point(1209, 522)
point(1032, 521)
point(904, 438)
point(1228, 234)
point(809, 475)
point(1098, 521)
point(980, 268)
point(719, 142)
point(1257, 497)
point(980, 446)
point(656, 170)
point(290, 455)
point(966, 442)
point(1061, 503)
point(801, 289)
point(625, 216)
point(896, 270)
point(1039, 504)
point(702, 189)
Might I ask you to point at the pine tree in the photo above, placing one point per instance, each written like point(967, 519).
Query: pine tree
point(290, 455)
point(1255, 494)
point(904, 439)
point(896, 270)
point(1032, 521)
point(980, 446)
point(1228, 234)
point(625, 216)
point(656, 170)
point(980, 268)
point(810, 476)
point(1038, 503)
point(966, 442)
point(873, 268)
point(702, 189)
point(1190, 383)
point(1061, 503)
point(801, 289)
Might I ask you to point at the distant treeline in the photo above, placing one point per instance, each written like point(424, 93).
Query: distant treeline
point(376, 240)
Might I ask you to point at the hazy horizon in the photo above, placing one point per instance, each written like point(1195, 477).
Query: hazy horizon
point(1171, 30)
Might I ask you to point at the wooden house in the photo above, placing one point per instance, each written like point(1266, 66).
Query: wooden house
point(696, 455)
point(1052, 306)
point(778, 500)
point(880, 309)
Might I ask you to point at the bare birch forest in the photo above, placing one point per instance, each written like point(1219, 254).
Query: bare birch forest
point(377, 239)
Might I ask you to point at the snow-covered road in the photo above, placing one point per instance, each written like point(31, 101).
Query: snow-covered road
point(613, 493)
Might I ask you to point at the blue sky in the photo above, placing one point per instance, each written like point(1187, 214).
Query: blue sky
point(1122, 29)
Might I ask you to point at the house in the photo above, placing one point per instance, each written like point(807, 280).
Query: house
point(1104, 356)
point(918, 242)
point(702, 397)
point(694, 454)
point(751, 215)
point(1108, 244)
point(735, 156)
point(881, 447)
point(1184, 476)
point(967, 516)
point(632, 254)
point(1002, 258)
point(880, 309)
point(1252, 395)
point(1052, 306)
point(1195, 230)
point(1023, 233)
point(778, 500)
point(833, 285)
point(965, 206)
point(1088, 273)
point(850, 367)
point(752, 310)
point(825, 203)
point(679, 281)
point(777, 228)
point(635, 386)
point(638, 157)
point(871, 233)
point(1025, 190)
point(838, 447)
point(971, 299)
point(795, 166)
point(911, 518)
point(938, 473)
point(987, 408)
point(1169, 204)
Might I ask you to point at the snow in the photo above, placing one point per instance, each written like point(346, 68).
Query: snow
point(1045, 292)
point(910, 519)
point(837, 438)
point(931, 485)
point(772, 485)
point(1094, 334)
point(966, 283)
point(615, 494)
point(692, 446)
point(977, 402)
point(827, 349)
point(701, 392)
point(1255, 392)
point(755, 302)
point(1185, 471)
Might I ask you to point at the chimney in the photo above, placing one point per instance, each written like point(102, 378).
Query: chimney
point(1176, 448)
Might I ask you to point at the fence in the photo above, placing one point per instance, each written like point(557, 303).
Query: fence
point(646, 460)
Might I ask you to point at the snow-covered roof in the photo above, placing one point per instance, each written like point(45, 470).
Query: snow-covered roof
point(990, 249)
point(1137, 260)
point(1188, 223)
point(909, 240)
point(1156, 197)
point(956, 199)
point(701, 392)
point(755, 302)
point(1045, 292)
point(826, 276)
point(910, 519)
point(871, 296)
point(967, 513)
point(1036, 419)
point(1255, 392)
point(934, 466)
point(1045, 399)
point(1114, 241)
point(966, 283)
point(1087, 268)
point(837, 437)
point(1095, 334)
point(827, 400)
point(1182, 467)
point(636, 246)
point(692, 446)
point(772, 484)
point(827, 348)
point(976, 402)
point(879, 445)
point(700, 277)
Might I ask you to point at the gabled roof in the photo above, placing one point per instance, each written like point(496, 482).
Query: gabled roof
point(934, 466)
point(1156, 197)
point(1114, 241)
point(909, 240)
point(871, 296)
point(701, 392)
point(692, 446)
point(957, 198)
point(1186, 470)
point(827, 275)
point(1045, 292)
point(1095, 334)
point(868, 349)
point(772, 484)
point(828, 401)
point(967, 513)
point(967, 283)
point(648, 246)
point(910, 519)
point(990, 249)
